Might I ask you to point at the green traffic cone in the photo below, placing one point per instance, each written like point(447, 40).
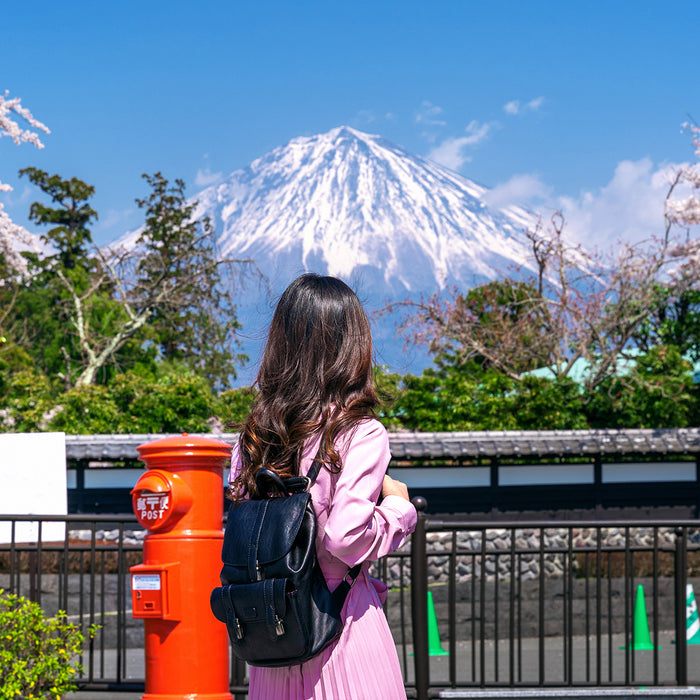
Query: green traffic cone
point(692, 623)
point(642, 638)
point(434, 645)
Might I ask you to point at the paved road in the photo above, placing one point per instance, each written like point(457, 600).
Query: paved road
point(496, 667)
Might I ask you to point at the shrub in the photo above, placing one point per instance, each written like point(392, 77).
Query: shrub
point(85, 410)
point(27, 397)
point(176, 401)
point(38, 655)
point(233, 406)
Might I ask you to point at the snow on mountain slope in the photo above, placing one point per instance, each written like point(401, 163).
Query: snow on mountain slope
point(357, 206)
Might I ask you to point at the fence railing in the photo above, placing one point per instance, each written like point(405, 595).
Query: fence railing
point(471, 605)
point(553, 604)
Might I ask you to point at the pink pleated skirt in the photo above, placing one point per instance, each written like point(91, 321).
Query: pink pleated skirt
point(362, 665)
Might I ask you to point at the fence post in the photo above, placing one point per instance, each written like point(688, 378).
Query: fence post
point(681, 576)
point(238, 677)
point(419, 601)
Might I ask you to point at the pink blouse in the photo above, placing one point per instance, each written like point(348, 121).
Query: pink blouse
point(352, 526)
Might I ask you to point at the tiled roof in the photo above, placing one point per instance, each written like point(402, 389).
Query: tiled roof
point(468, 445)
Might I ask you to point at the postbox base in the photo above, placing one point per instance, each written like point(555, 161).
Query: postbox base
point(188, 696)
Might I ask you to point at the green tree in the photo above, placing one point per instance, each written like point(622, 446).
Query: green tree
point(675, 321)
point(27, 399)
point(70, 234)
point(173, 400)
point(507, 317)
point(390, 388)
point(549, 404)
point(503, 324)
point(233, 406)
point(456, 396)
point(176, 400)
point(47, 304)
point(69, 302)
point(192, 314)
point(657, 392)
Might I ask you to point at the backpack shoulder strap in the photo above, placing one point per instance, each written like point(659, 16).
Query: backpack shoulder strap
point(303, 482)
point(316, 464)
point(343, 588)
point(315, 468)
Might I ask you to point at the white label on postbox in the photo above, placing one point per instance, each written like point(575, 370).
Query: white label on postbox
point(145, 582)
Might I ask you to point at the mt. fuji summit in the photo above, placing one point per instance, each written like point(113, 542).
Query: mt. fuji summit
point(358, 207)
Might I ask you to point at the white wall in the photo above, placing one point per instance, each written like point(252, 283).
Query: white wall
point(33, 481)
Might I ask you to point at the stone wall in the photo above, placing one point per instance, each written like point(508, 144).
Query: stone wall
point(560, 550)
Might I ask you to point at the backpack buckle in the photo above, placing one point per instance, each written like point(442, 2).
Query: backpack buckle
point(350, 578)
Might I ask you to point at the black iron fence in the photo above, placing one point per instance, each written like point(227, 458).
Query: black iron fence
point(554, 604)
point(472, 604)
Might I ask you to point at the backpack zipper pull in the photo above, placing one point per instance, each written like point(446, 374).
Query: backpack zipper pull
point(239, 630)
point(279, 626)
point(258, 571)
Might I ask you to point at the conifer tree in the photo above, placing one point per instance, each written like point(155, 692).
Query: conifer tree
point(194, 321)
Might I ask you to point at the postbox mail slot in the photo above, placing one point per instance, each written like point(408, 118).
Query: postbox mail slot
point(155, 591)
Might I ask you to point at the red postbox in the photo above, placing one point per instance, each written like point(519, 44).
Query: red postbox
point(179, 501)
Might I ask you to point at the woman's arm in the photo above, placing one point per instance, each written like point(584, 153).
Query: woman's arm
point(357, 528)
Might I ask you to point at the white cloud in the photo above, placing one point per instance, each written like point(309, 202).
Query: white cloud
point(16, 197)
point(515, 107)
point(206, 177)
point(520, 190)
point(451, 152)
point(629, 208)
point(365, 116)
point(368, 116)
point(429, 115)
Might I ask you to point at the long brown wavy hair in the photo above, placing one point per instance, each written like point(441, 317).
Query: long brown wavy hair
point(316, 376)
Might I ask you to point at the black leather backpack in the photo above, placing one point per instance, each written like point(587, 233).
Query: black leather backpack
point(274, 599)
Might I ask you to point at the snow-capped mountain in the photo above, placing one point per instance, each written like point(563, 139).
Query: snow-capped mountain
point(353, 205)
point(359, 207)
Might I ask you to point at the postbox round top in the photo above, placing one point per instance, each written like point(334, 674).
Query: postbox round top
point(184, 445)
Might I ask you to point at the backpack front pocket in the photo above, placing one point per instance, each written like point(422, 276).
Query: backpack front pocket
point(262, 619)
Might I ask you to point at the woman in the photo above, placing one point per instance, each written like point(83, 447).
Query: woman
point(316, 390)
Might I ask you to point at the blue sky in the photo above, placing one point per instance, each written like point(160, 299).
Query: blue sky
point(577, 105)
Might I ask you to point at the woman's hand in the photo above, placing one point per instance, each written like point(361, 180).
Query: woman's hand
point(392, 487)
